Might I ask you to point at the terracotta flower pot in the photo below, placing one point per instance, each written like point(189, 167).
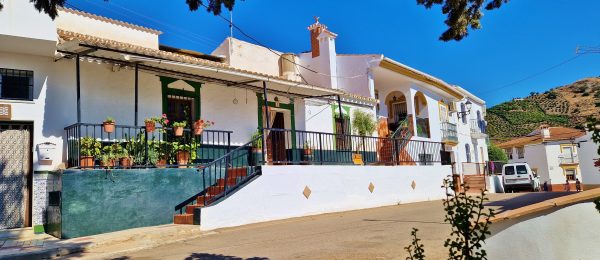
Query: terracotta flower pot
point(86, 162)
point(178, 130)
point(150, 127)
point(110, 163)
point(108, 127)
point(183, 157)
point(161, 163)
point(198, 129)
point(125, 162)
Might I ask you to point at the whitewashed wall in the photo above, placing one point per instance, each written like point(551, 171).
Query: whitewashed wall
point(569, 233)
point(278, 192)
point(20, 19)
point(588, 154)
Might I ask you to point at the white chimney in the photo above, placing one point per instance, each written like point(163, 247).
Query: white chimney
point(545, 131)
point(323, 51)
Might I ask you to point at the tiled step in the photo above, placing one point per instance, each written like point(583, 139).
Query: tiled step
point(215, 190)
point(200, 199)
point(185, 219)
point(189, 209)
point(237, 172)
point(230, 181)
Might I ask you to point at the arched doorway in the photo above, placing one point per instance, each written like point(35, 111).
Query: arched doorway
point(421, 115)
point(397, 109)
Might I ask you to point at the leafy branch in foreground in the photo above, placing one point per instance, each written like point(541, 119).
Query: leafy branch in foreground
point(469, 221)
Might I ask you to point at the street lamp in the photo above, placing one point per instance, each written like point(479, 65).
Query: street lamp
point(461, 114)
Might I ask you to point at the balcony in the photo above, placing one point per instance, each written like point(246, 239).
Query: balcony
point(478, 128)
point(567, 159)
point(449, 133)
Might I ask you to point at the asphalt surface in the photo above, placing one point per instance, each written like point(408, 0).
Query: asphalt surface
point(378, 233)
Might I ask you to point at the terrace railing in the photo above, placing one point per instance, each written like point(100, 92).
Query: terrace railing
point(159, 148)
point(449, 132)
point(225, 174)
point(285, 146)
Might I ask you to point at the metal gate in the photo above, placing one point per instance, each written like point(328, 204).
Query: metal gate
point(15, 175)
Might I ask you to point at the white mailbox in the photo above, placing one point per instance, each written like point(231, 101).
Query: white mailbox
point(46, 153)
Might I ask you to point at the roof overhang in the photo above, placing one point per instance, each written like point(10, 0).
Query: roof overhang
point(155, 62)
point(400, 68)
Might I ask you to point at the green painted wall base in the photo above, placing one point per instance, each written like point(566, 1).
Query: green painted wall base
point(38, 229)
point(100, 201)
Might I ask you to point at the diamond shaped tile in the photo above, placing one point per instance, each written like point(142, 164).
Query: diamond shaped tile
point(306, 192)
point(371, 187)
point(413, 185)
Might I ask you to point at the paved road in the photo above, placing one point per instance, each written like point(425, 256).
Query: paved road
point(380, 233)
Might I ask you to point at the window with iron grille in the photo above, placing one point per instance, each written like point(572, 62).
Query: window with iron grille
point(16, 84)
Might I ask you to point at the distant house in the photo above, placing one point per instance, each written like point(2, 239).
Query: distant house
point(588, 161)
point(551, 152)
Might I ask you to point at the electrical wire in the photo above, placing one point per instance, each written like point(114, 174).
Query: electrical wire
point(276, 53)
point(534, 75)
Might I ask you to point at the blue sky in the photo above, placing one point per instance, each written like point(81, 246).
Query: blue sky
point(521, 39)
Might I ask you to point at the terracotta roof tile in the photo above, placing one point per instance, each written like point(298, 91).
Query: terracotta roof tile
point(535, 137)
point(109, 20)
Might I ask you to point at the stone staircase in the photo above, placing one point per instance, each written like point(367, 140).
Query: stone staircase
point(476, 183)
point(211, 194)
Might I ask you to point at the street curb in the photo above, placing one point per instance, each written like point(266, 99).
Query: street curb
point(148, 237)
point(579, 197)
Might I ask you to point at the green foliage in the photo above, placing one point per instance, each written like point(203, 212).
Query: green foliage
point(585, 94)
point(416, 250)
point(179, 124)
point(496, 154)
point(109, 120)
point(469, 221)
point(461, 15)
point(363, 123)
point(90, 147)
point(257, 140)
point(597, 94)
point(551, 95)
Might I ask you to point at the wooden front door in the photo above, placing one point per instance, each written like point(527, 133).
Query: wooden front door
point(276, 140)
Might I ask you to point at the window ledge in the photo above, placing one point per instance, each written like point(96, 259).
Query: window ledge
point(17, 101)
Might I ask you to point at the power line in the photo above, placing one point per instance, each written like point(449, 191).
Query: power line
point(535, 74)
point(273, 51)
point(182, 33)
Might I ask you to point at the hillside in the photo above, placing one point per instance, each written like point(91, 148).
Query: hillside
point(568, 105)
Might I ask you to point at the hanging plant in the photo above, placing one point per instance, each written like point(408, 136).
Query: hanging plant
point(150, 124)
point(200, 125)
point(109, 125)
point(178, 128)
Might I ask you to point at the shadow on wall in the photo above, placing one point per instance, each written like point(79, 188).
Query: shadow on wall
point(12, 184)
point(524, 200)
point(203, 256)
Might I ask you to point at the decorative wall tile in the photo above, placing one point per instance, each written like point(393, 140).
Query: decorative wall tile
point(306, 192)
point(371, 187)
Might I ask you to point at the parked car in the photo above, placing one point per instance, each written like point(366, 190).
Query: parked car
point(519, 176)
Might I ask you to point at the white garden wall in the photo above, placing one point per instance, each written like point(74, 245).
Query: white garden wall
point(278, 192)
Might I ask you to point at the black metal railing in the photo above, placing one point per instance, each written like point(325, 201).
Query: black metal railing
point(226, 173)
point(89, 146)
point(285, 146)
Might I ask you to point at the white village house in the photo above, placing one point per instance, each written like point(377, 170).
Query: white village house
point(61, 167)
point(589, 161)
point(551, 152)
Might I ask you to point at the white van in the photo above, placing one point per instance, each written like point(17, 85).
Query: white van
point(516, 176)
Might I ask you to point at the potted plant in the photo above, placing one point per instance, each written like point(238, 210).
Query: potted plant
point(109, 155)
point(125, 160)
point(150, 124)
point(257, 145)
point(307, 151)
point(199, 126)
point(184, 152)
point(90, 148)
point(162, 120)
point(178, 128)
point(109, 125)
point(159, 153)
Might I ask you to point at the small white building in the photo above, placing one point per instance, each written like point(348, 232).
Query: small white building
point(552, 153)
point(589, 161)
